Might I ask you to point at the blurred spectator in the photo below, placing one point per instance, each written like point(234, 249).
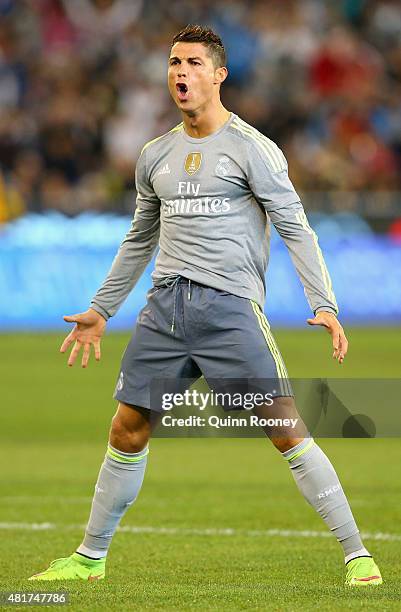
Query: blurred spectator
point(83, 87)
point(11, 202)
point(395, 230)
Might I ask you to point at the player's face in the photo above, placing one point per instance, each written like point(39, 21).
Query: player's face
point(192, 77)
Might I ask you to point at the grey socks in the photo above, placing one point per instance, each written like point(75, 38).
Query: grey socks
point(119, 482)
point(319, 484)
point(121, 476)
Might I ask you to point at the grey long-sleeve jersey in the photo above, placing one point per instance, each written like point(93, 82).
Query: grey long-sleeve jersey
point(209, 202)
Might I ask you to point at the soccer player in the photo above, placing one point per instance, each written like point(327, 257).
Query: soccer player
point(206, 194)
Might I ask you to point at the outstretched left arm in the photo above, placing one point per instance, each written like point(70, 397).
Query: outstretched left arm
point(274, 190)
point(301, 241)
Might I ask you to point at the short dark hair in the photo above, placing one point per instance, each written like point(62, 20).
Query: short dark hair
point(208, 38)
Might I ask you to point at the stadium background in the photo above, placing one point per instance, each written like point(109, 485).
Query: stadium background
point(82, 87)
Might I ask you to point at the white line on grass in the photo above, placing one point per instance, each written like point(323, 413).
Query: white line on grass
point(38, 499)
point(29, 499)
point(183, 531)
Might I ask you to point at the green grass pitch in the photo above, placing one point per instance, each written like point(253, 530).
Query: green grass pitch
point(53, 428)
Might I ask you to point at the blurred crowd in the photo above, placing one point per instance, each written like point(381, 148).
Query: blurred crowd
point(83, 87)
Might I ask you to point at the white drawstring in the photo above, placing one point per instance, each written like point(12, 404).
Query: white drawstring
point(172, 281)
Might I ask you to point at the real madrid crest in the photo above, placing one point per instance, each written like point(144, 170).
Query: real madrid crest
point(193, 162)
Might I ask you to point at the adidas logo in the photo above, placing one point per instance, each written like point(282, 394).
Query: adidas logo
point(164, 170)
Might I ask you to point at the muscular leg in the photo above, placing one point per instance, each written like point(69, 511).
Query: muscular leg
point(131, 428)
point(314, 475)
point(283, 437)
point(120, 477)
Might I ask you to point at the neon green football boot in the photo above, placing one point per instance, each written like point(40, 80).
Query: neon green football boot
point(75, 567)
point(362, 571)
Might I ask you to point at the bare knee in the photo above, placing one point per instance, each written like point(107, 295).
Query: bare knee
point(284, 437)
point(285, 444)
point(130, 429)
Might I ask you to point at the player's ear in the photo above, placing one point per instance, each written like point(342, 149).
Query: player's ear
point(220, 75)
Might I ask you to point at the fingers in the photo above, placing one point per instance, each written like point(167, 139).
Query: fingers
point(76, 318)
point(74, 353)
point(98, 353)
point(316, 321)
point(67, 342)
point(340, 345)
point(86, 355)
point(336, 343)
point(340, 342)
point(77, 348)
point(343, 346)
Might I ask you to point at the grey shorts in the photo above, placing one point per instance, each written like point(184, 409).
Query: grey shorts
point(187, 330)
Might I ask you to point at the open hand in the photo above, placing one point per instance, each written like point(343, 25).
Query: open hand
point(88, 331)
point(333, 326)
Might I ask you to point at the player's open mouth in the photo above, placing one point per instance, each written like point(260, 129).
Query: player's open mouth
point(182, 91)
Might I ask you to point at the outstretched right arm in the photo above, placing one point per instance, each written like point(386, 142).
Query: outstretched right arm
point(133, 256)
point(135, 251)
